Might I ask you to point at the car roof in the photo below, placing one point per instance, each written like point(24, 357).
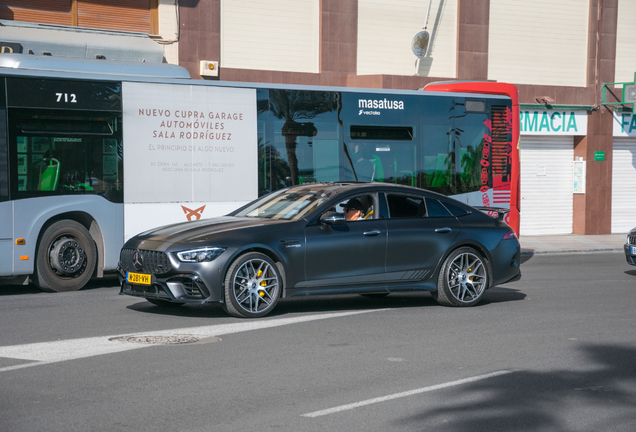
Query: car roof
point(347, 186)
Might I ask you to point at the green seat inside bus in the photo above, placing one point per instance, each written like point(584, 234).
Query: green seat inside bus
point(49, 174)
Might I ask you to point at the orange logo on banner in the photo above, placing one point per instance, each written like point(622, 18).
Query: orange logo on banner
point(193, 214)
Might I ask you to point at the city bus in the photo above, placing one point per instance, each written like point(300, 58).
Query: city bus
point(94, 152)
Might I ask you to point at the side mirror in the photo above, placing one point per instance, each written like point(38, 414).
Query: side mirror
point(333, 219)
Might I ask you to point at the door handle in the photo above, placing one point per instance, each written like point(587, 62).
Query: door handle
point(372, 233)
point(443, 230)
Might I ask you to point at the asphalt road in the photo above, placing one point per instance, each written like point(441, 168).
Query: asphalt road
point(555, 351)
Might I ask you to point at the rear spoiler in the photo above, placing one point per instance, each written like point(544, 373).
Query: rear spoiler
point(501, 212)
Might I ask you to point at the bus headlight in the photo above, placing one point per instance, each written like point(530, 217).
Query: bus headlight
point(200, 255)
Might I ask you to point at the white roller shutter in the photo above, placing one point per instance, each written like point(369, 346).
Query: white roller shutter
point(624, 185)
point(546, 185)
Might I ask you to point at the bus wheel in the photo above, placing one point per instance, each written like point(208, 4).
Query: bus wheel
point(65, 258)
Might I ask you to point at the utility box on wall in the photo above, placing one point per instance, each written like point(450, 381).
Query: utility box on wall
point(209, 68)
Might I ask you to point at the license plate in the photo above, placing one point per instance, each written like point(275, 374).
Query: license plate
point(633, 249)
point(139, 278)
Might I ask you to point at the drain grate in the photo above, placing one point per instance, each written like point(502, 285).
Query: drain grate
point(157, 340)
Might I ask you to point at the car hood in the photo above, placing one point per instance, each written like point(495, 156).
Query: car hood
point(198, 233)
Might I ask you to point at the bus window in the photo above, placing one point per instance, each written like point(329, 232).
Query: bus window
point(439, 133)
point(66, 153)
point(298, 135)
point(455, 154)
point(472, 165)
point(4, 166)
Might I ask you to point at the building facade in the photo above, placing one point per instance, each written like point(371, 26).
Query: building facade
point(578, 142)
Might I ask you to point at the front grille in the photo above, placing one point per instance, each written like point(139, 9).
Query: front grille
point(153, 262)
point(631, 239)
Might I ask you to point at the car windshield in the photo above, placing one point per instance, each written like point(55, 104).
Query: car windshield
point(291, 204)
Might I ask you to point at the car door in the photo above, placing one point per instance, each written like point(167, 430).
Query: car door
point(346, 257)
point(420, 230)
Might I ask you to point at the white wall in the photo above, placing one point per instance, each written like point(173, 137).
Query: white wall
point(386, 29)
point(625, 42)
point(281, 35)
point(540, 42)
point(168, 29)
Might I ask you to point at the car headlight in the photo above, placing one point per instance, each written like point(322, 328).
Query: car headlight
point(200, 255)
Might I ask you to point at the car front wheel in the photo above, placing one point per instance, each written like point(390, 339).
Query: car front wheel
point(252, 286)
point(463, 278)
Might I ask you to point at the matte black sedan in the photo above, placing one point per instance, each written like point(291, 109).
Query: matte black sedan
point(328, 238)
point(630, 247)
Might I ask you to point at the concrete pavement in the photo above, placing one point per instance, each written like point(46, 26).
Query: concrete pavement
point(572, 243)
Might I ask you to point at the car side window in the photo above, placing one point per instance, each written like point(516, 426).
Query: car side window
point(455, 210)
point(436, 209)
point(357, 208)
point(406, 206)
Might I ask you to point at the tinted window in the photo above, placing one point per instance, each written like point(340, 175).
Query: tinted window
point(436, 209)
point(4, 167)
point(455, 210)
point(455, 155)
point(406, 206)
point(298, 138)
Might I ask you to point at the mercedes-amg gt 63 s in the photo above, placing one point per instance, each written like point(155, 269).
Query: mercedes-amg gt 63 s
point(324, 238)
point(630, 247)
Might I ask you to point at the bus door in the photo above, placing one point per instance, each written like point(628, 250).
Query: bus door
point(6, 207)
point(380, 138)
point(6, 238)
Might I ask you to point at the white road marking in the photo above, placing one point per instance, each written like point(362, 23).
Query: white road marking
point(404, 394)
point(64, 350)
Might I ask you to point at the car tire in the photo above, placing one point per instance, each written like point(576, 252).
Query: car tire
point(463, 278)
point(65, 257)
point(164, 303)
point(252, 286)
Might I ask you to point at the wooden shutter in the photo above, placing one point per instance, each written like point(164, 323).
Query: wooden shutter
point(39, 11)
point(126, 15)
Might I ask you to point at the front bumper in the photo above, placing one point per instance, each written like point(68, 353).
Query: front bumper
point(178, 288)
point(630, 253)
point(169, 279)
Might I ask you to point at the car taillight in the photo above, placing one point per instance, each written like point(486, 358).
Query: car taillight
point(510, 235)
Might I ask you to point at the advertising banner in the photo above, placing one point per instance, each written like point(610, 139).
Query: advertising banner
point(190, 152)
point(185, 143)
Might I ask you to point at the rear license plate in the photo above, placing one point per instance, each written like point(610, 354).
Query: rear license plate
point(139, 278)
point(633, 250)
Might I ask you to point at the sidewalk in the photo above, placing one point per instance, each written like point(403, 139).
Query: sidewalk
point(572, 243)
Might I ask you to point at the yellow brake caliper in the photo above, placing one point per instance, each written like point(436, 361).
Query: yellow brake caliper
point(263, 284)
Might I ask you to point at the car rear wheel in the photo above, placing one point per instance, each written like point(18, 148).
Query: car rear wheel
point(66, 257)
point(252, 286)
point(463, 278)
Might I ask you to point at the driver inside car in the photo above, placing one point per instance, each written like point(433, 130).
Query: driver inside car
point(353, 210)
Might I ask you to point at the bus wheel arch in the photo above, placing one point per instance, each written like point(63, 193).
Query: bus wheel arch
point(66, 256)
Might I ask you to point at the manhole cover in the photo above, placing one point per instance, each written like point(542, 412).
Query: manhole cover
point(157, 340)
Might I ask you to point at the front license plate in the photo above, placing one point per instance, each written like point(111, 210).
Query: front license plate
point(139, 278)
point(633, 250)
